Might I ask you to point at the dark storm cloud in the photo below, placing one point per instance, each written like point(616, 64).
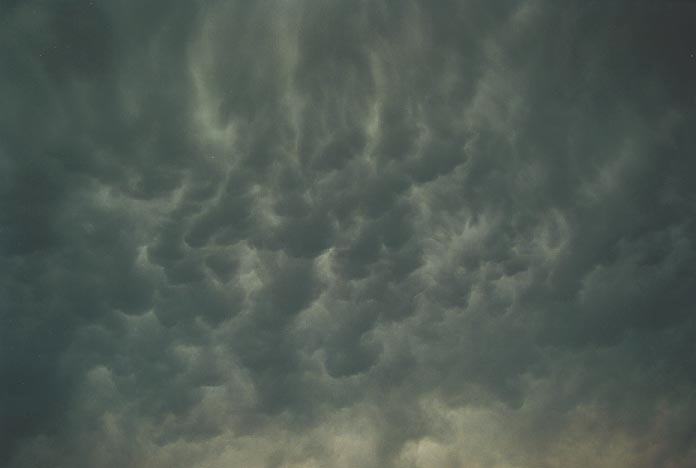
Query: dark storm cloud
point(346, 234)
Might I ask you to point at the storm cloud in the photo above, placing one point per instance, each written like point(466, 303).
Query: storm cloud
point(304, 233)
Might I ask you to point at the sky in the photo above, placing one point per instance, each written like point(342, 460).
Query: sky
point(347, 233)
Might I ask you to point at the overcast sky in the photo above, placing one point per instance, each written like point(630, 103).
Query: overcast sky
point(347, 234)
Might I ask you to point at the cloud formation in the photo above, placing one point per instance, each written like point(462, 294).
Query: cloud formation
point(341, 234)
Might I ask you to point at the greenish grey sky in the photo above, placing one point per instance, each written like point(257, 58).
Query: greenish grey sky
point(347, 234)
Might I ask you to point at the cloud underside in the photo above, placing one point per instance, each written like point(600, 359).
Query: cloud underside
point(347, 234)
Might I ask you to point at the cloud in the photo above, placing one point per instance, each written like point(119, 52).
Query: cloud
point(346, 234)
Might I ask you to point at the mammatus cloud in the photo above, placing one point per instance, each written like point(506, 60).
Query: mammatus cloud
point(347, 234)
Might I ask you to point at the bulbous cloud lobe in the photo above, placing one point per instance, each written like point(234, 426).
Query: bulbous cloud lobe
point(347, 233)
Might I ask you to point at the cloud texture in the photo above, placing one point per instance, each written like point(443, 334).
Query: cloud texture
point(303, 233)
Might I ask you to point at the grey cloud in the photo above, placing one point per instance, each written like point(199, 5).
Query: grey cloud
point(346, 234)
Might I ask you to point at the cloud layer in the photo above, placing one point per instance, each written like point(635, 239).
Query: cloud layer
point(347, 234)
